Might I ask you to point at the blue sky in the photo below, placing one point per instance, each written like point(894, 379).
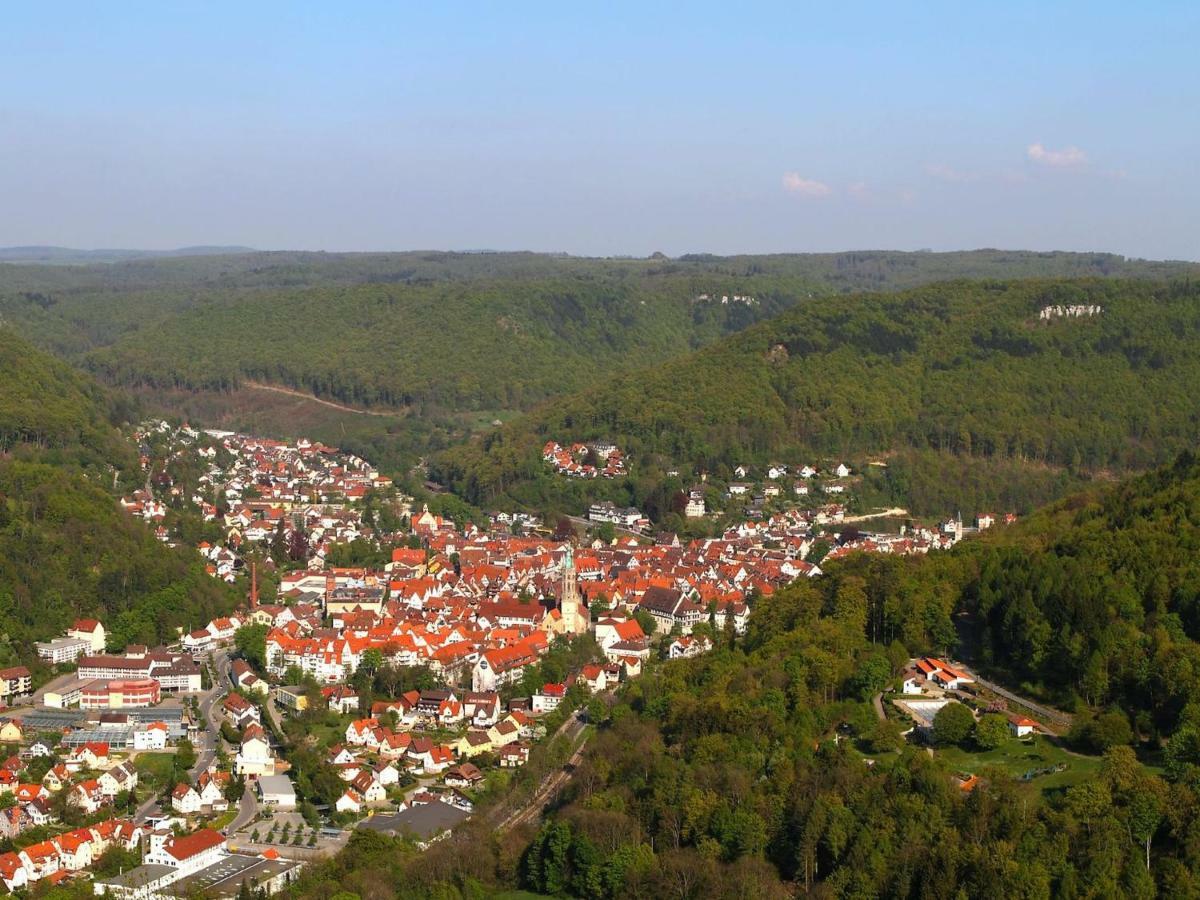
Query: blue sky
point(626, 128)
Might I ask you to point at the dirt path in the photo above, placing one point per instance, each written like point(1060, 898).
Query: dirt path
point(877, 702)
point(274, 388)
point(894, 511)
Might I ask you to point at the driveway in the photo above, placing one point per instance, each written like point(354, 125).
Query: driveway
point(247, 810)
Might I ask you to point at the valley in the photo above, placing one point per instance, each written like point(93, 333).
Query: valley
point(662, 616)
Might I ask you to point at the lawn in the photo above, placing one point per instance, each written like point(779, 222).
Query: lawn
point(221, 821)
point(1021, 758)
point(154, 768)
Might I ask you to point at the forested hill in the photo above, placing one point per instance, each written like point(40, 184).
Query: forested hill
point(47, 406)
point(66, 548)
point(449, 330)
point(966, 369)
point(761, 769)
point(1096, 600)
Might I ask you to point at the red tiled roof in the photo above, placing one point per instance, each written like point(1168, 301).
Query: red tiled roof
point(192, 844)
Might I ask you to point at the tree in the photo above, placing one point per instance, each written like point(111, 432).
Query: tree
point(372, 660)
point(952, 724)
point(818, 551)
point(885, 736)
point(251, 643)
point(1182, 753)
point(991, 731)
point(645, 620)
point(298, 545)
point(1145, 812)
point(871, 676)
point(279, 543)
point(564, 529)
point(185, 754)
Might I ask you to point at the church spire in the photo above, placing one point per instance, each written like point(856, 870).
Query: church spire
point(570, 603)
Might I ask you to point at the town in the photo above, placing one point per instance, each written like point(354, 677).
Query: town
point(428, 679)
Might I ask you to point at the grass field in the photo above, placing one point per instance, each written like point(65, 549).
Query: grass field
point(1023, 759)
point(154, 769)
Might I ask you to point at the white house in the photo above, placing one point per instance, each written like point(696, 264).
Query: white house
point(350, 801)
point(1019, 726)
point(185, 800)
point(549, 697)
point(687, 646)
point(187, 854)
point(254, 757)
point(152, 737)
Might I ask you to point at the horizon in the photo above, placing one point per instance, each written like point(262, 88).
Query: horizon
point(741, 131)
point(219, 249)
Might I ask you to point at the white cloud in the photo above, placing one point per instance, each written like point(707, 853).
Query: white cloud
point(793, 183)
point(949, 173)
point(1067, 157)
point(859, 190)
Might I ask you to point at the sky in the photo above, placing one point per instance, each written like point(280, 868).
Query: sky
point(602, 129)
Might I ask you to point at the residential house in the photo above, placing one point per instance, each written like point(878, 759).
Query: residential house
point(185, 800)
point(122, 777)
point(91, 630)
point(254, 756)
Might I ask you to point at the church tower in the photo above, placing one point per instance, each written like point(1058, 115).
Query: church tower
point(574, 616)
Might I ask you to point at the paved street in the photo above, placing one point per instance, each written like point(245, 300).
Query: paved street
point(210, 738)
point(247, 810)
point(210, 713)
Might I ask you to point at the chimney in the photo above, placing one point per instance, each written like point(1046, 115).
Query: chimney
point(253, 585)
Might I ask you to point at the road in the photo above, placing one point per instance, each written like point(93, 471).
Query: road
point(210, 716)
point(1045, 712)
point(210, 740)
point(272, 712)
point(247, 810)
point(276, 389)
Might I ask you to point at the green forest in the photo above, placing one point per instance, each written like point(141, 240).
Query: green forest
point(761, 769)
point(66, 548)
point(49, 408)
point(473, 331)
point(961, 369)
